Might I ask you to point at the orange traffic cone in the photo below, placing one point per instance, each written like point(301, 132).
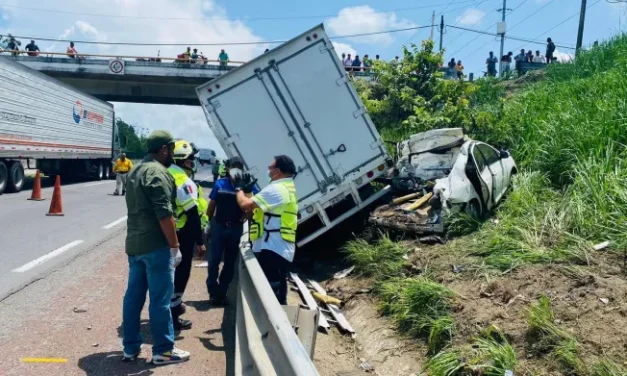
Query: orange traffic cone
point(36, 195)
point(56, 205)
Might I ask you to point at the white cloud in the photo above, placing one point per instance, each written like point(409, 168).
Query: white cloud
point(183, 121)
point(563, 56)
point(343, 48)
point(471, 17)
point(364, 19)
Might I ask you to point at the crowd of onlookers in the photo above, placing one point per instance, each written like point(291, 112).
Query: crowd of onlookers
point(521, 59)
point(357, 65)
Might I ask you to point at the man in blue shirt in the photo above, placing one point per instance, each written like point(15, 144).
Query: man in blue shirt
point(227, 223)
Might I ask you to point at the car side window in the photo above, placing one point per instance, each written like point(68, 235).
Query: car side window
point(478, 159)
point(491, 156)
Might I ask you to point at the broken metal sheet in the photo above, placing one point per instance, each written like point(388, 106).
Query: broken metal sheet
point(317, 288)
point(343, 273)
point(339, 317)
point(309, 300)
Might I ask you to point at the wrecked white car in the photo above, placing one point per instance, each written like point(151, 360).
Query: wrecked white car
point(444, 172)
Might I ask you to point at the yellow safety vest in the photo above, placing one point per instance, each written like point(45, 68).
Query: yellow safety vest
point(203, 204)
point(287, 212)
point(180, 178)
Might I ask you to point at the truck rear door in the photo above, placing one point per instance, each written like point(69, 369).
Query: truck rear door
point(322, 103)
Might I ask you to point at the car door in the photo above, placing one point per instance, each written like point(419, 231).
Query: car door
point(480, 176)
point(492, 159)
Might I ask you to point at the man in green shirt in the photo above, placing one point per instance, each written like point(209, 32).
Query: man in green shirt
point(224, 59)
point(153, 252)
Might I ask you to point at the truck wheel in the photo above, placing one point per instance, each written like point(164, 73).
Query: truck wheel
point(107, 172)
point(4, 176)
point(16, 177)
point(100, 173)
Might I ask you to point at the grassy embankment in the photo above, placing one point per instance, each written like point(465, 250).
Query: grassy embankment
point(568, 134)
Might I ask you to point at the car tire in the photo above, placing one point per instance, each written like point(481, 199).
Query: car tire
point(15, 181)
point(473, 209)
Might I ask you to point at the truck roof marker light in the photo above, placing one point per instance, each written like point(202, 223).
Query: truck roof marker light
point(315, 36)
point(381, 167)
point(209, 90)
point(310, 209)
point(308, 38)
point(370, 174)
point(217, 86)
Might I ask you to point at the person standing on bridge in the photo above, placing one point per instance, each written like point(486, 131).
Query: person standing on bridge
point(32, 49)
point(71, 51)
point(227, 225)
point(153, 253)
point(122, 167)
point(274, 221)
point(189, 211)
point(224, 59)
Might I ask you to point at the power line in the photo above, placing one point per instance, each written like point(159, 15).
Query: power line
point(531, 15)
point(246, 19)
point(560, 24)
point(473, 24)
point(213, 44)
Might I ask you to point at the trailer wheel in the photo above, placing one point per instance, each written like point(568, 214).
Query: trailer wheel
point(4, 176)
point(100, 173)
point(107, 172)
point(16, 177)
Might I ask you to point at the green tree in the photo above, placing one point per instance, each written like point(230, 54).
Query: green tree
point(132, 144)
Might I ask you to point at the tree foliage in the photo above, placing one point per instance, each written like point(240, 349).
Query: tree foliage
point(131, 143)
point(413, 96)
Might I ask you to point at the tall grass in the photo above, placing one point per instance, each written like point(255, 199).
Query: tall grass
point(382, 260)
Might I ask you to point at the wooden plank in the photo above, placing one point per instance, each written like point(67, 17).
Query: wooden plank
point(339, 317)
point(309, 300)
point(400, 200)
point(421, 201)
point(308, 329)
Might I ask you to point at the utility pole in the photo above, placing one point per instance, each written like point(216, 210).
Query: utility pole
point(504, 10)
point(433, 25)
point(441, 31)
point(582, 21)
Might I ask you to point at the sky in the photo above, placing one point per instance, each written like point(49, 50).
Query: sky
point(220, 21)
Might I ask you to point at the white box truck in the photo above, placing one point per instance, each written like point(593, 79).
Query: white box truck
point(66, 132)
point(297, 100)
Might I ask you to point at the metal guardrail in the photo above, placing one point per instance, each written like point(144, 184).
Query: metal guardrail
point(265, 342)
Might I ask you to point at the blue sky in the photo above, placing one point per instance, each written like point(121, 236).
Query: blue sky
point(248, 20)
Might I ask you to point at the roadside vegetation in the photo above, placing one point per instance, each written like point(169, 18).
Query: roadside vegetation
point(567, 133)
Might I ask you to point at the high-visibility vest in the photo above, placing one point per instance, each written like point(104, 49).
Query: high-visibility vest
point(203, 204)
point(180, 179)
point(287, 212)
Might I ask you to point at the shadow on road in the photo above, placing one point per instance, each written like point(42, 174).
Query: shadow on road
point(110, 363)
point(144, 329)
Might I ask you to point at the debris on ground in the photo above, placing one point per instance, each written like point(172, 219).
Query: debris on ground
point(79, 310)
point(343, 273)
point(366, 367)
point(309, 301)
point(601, 246)
point(432, 239)
point(326, 299)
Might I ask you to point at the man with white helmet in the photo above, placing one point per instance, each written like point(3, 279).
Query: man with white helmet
point(190, 215)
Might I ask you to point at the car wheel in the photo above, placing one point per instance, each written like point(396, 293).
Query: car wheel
point(473, 209)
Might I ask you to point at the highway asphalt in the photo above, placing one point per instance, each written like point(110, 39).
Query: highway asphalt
point(33, 244)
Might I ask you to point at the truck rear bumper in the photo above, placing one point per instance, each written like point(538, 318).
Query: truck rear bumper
point(361, 205)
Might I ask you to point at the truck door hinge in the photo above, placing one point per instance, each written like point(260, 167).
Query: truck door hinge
point(359, 112)
point(323, 48)
point(232, 139)
point(258, 73)
point(272, 63)
point(212, 106)
point(341, 81)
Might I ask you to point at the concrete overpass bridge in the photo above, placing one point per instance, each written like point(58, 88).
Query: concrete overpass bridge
point(124, 79)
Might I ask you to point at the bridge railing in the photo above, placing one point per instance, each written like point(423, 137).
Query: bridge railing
point(111, 56)
point(265, 342)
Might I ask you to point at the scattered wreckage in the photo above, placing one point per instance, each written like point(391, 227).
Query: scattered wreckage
point(442, 172)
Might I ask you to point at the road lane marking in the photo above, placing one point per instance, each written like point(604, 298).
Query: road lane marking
point(99, 183)
point(43, 360)
point(115, 223)
point(46, 257)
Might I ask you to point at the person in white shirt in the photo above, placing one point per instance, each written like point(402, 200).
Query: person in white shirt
point(348, 62)
point(273, 228)
point(537, 58)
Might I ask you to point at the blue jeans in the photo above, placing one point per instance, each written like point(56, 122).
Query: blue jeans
point(224, 241)
point(152, 272)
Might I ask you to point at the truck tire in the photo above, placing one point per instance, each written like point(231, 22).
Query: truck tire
point(4, 176)
point(107, 172)
point(15, 181)
point(100, 173)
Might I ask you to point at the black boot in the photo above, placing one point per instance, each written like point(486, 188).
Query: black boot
point(177, 321)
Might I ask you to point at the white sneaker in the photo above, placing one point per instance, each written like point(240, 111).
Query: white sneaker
point(171, 357)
